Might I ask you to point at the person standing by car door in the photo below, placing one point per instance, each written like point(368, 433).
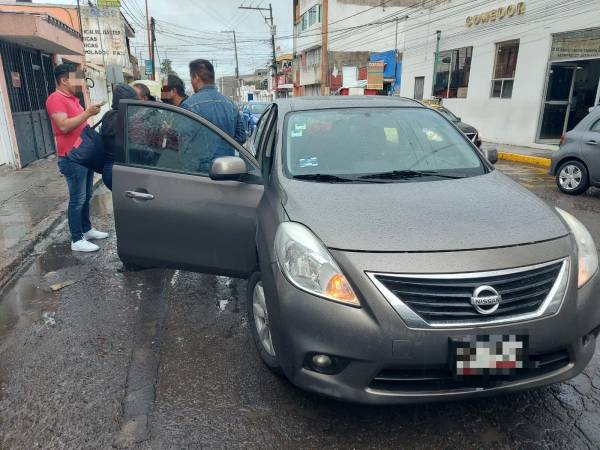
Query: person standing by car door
point(109, 129)
point(68, 120)
point(209, 103)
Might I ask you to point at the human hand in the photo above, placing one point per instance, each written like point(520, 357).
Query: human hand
point(93, 109)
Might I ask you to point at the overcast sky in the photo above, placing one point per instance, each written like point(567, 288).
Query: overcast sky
point(189, 29)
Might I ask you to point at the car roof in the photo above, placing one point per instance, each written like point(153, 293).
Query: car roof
point(358, 101)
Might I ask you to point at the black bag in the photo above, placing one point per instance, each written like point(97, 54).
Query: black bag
point(91, 152)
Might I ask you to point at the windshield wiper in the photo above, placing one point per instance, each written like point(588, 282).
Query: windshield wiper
point(327, 178)
point(405, 174)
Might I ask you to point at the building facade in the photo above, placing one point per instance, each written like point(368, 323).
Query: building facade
point(33, 39)
point(337, 37)
point(29, 42)
point(522, 72)
point(254, 86)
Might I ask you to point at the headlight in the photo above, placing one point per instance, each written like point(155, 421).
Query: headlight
point(308, 265)
point(588, 257)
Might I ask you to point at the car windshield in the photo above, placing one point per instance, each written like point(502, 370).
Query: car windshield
point(258, 108)
point(448, 114)
point(401, 144)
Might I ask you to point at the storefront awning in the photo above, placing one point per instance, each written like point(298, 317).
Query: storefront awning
point(41, 32)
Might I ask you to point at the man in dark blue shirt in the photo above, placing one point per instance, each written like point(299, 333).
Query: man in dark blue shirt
point(209, 103)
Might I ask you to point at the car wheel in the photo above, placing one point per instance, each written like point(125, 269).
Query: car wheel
point(260, 326)
point(572, 178)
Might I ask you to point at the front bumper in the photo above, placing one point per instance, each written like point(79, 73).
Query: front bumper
point(374, 338)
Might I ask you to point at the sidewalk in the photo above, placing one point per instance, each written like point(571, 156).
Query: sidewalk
point(527, 155)
point(32, 201)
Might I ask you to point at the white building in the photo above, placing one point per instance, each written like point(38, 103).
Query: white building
point(521, 72)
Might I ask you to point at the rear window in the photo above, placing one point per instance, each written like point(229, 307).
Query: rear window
point(365, 141)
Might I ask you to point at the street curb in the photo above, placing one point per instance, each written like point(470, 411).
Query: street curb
point(526, 159)
point(8, 269)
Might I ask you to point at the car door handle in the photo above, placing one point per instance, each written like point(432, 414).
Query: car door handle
point(592, 142)
point(139, 195)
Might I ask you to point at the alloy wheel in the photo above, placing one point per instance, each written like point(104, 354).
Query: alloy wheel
point(570, 177)
point(261, 318)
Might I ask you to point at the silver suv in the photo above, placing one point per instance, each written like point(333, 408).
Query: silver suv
point(387, 260)
point(576, 165)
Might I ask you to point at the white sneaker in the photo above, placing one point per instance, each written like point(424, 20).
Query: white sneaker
point(95, 234)
point(84, 246)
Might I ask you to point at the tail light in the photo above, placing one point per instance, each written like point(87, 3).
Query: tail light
point(563, 138)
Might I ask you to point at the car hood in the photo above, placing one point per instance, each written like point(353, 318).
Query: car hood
point(471, 213)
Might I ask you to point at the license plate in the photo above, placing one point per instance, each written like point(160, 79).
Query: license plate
point(489, 355)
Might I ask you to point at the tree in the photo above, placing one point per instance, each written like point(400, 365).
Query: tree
point(166, 68)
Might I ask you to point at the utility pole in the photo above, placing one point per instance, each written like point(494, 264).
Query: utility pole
point(150, 46)
point(237, 67)
point(152, 29)
point(80, 21)
point(438, 34)
point(270, 22)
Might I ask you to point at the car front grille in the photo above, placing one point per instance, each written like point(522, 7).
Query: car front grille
point(393, 379)
point(446, 299)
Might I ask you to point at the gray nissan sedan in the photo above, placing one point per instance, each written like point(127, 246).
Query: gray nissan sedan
point(388, 262)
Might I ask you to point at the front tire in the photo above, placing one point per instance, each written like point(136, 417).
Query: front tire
point(260, 327)
point(572, 178)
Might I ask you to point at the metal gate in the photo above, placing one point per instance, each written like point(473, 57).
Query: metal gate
point(30, 80)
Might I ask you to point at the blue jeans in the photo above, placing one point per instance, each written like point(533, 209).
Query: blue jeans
point(80, 181)
point(107, 174)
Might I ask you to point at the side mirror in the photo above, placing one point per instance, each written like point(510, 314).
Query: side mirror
point(228, 168)
point(491, 154)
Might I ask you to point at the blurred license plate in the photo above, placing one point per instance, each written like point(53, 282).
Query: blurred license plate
point(489, 354)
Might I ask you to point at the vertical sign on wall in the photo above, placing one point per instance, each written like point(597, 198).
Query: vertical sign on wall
point(104, 37)
point(149, 68)
point(375, 75)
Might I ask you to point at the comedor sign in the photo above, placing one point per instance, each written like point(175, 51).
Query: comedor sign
point(517, 9)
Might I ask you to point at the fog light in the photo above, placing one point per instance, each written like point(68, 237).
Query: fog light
point(325, 364)
point(321, 361)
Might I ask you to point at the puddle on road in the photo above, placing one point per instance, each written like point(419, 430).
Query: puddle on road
point(28, 298)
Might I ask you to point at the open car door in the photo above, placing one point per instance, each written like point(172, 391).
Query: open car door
point(168, 211)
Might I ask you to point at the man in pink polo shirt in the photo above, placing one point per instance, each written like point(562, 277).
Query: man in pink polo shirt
point(68, 120)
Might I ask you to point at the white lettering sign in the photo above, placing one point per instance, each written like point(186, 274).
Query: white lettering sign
point(104, 37)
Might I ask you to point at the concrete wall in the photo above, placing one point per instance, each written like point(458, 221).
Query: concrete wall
point(510, 121)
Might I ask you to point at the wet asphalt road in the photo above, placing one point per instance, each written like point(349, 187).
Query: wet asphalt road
point(165, 357)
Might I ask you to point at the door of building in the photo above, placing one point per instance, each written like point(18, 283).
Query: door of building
point(29, 78)
point(572, 84)
point(419, 87)
point(559, 94)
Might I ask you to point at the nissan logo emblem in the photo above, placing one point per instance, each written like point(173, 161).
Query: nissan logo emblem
point(486, 300)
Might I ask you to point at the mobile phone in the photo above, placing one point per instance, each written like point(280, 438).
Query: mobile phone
point(101, 103)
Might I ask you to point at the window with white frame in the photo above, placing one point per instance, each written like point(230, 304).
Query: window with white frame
point(313, 57)
point(310, 17)
point(505, 67)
